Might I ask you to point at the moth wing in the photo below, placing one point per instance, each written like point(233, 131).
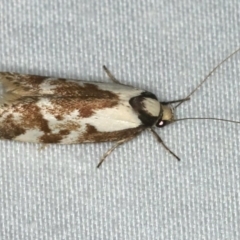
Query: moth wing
point(16, 86)
point(42, 109)
point(20, 83)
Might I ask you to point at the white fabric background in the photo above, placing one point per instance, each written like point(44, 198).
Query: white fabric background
point(141, 192)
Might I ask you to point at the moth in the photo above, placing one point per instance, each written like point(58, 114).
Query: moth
point(48, 110)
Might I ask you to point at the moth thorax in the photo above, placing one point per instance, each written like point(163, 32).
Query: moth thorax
point(167, 112)
point(151, 106)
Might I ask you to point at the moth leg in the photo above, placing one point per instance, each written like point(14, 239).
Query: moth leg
point(163, 144)
point(110, 75)
point(176, 101)
point(117, 144)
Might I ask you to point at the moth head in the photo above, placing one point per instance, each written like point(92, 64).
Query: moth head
point(166, 116)
point(150, 111)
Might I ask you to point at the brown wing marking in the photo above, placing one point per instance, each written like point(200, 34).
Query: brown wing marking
point(16, 86)
point(31, 118)
point(17, 82)
point(92, 135)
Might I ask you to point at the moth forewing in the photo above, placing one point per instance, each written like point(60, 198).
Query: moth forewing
point(51, 110)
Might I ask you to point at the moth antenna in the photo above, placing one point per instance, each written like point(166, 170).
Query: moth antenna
point(175, 101)
point(209, 74)
point(163, 144)
point(203, 118)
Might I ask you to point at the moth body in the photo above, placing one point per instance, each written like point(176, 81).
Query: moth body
point(55, 110)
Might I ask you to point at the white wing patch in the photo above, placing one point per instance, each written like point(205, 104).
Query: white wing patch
point(152, 106)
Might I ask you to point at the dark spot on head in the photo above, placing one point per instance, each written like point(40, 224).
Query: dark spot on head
point(147, 119)
point(137, 104)
point(148, 95)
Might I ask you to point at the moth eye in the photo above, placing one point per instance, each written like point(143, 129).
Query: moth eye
point(161, 123)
